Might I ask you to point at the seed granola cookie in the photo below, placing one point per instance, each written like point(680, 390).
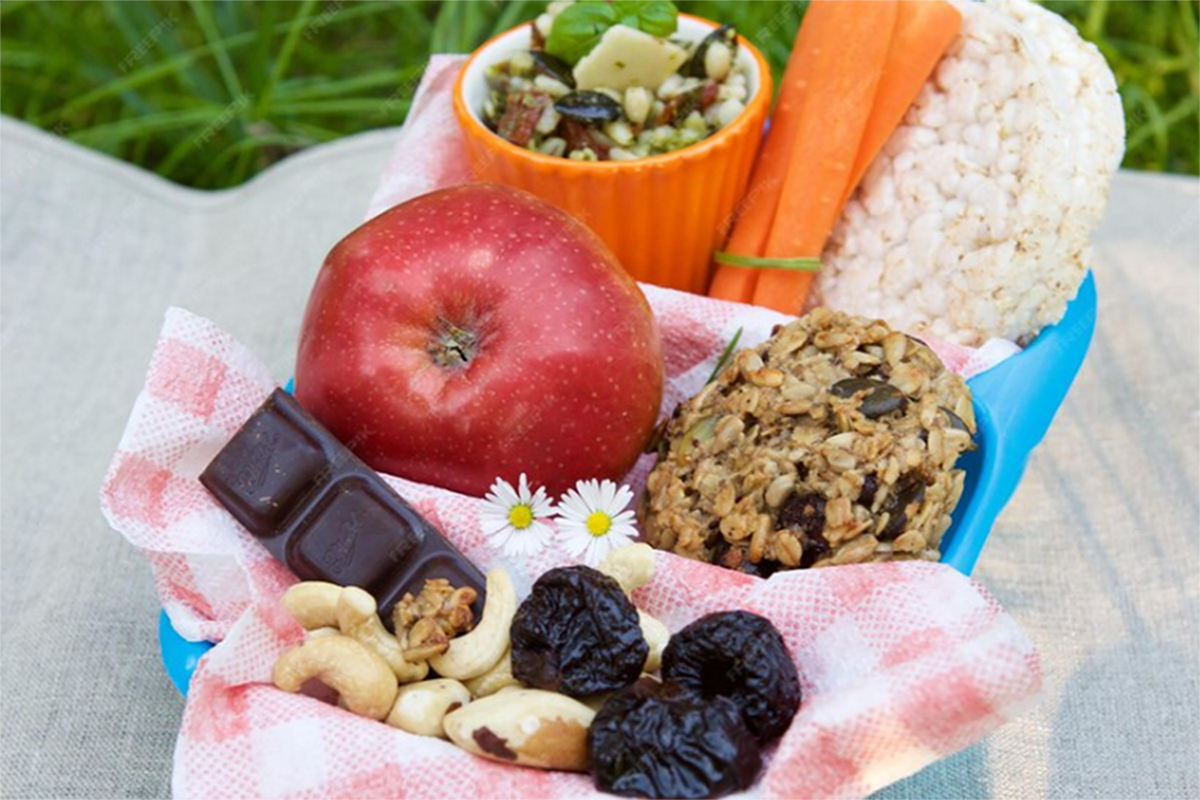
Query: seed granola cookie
point(833, 442)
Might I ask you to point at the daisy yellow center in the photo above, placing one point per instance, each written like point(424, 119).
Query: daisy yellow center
point(520, 517)
point(598, 523)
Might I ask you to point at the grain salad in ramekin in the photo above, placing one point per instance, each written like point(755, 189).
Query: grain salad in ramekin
point(677, 183)
point(632, 95)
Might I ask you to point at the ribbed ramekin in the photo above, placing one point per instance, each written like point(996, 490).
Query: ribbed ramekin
point(664, 215)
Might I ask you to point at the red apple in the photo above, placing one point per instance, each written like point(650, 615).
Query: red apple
point(477, 332)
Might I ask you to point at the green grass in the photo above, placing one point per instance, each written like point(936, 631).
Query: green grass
point(209, 93)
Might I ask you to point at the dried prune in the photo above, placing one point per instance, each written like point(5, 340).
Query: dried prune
point(577, 633)
point(741, 656)
point(664, 740)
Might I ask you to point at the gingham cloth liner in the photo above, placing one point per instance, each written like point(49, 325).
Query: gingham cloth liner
point(900, 664)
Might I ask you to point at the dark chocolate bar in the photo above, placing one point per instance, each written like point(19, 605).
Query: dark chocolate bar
point(319, 509)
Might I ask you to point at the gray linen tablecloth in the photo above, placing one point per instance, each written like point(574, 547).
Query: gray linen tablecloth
point(1097, 556)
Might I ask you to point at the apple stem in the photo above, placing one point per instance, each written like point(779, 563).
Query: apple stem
point(452, 347)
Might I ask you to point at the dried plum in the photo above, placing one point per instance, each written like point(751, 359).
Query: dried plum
point(663, 740)
point(577, 633)
point(741, 656)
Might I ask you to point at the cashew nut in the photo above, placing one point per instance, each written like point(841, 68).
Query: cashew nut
point(357, 619)
point(312, 603)
point(362, 679)
point(473, 654)
point(631, 566)
point(656, 635)
point(421, 706)
point(498, 677)
point(524, 726)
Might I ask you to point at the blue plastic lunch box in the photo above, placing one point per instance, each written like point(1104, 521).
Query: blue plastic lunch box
point(1014, 405)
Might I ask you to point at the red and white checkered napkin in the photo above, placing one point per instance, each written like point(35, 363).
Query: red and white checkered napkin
point(900, 664)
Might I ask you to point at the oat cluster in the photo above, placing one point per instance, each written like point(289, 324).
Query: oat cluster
point(833, 442)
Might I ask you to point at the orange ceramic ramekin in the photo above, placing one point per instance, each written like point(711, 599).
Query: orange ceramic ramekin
point(664, 215)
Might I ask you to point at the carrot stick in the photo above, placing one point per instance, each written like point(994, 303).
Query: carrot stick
point(924, 29)
point(850, 43)
point(749, 236)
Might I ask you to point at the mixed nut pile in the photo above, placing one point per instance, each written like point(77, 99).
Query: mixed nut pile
point(563, 681)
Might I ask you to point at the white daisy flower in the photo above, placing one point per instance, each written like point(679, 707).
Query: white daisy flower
point(593, 519)
point(514, 519)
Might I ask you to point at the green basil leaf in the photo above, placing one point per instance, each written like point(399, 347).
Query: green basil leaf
point(578, 28)
point(655, 17)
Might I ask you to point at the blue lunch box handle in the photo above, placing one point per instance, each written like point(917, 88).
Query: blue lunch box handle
point(1015, 403)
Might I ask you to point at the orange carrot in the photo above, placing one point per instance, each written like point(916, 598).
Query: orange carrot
point(844, 66)
point(924, 29)
point(753, 225)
